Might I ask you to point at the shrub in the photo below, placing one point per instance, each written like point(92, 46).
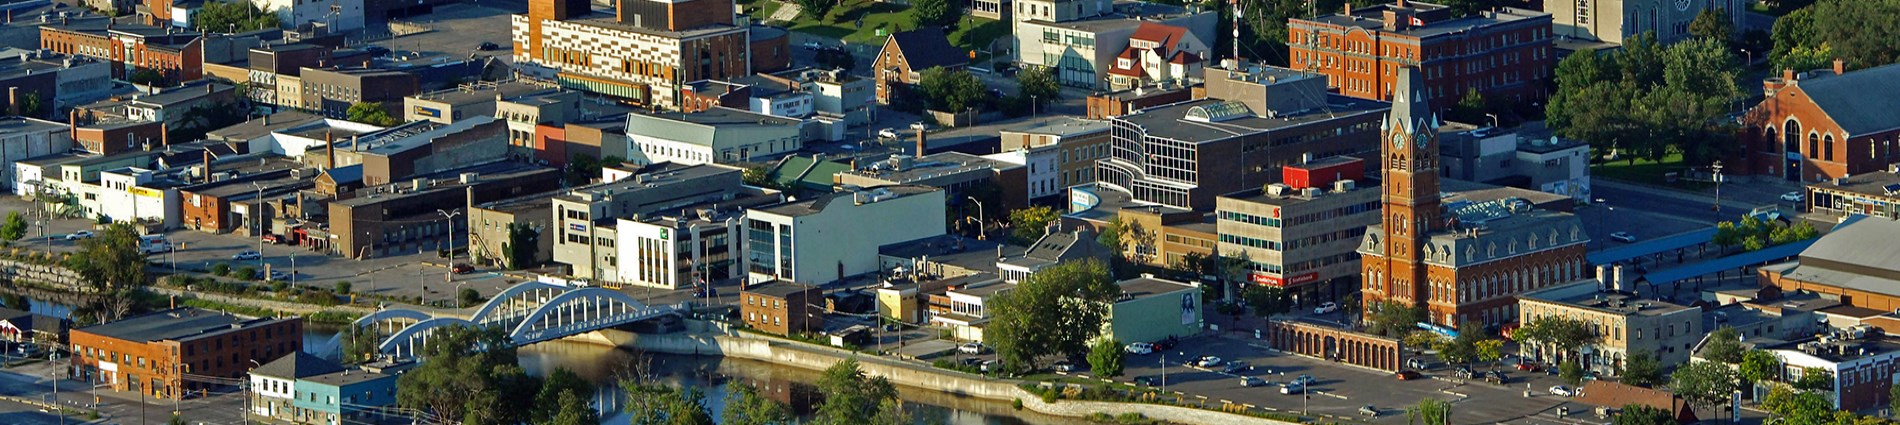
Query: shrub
point(246, 273)
point(279, 286)
point(220, 269)
point(1016, 403)
point(342, 287)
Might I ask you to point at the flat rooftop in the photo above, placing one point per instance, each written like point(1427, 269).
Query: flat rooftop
point(1060, 125)
point(477, 93)
point(1878, 184)
point(345, 377)
point(263, 126)
point(929, 166)
point(953, 250)
point(819, 203)
point(416, 134)
point(1143, 287)
point(665, 174)
point(1170, 121)
point(15, 125)
point(604, 18)
point(1838, 351)
point(174, 324)
point(1372, 18)
point(778, 288)
point(1127, 13)
point(1585, 294)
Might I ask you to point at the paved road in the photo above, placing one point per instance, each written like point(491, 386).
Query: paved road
point(30, 381)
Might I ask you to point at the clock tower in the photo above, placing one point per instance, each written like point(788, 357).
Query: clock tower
point(1409, 144)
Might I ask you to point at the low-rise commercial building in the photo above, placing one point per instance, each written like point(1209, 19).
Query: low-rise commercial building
point(175, 56)
point(239, 199)
point(399, 218)
point(422, 148)
point(1624, 323)
point(1054, 248)
point(829, 237)
point(1861, 366)
point(587, 218)
point(25, 138)
point(151, 353)
point(1529, 157)
point(1875, 194)
point(954, 172)
point(300, 388)
point(689, 245)
point(1852, 263)
point(56, 81)
point(783, 308)
point(465, 101)
point(1302, 234)
point(1153, 309)
point(1077, 143)
point(717, 135)
point(331, 91)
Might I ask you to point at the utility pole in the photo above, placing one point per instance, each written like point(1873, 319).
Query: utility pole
point(448, 219)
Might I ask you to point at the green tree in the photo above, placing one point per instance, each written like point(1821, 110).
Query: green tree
point(952, 91)
point(1893, 398)
point(1462, 349)
point(371, 113)
point(1705, 384)
point(1490, 349)
point(234, 16)
point(522, 245)
point(1791, 407)
point(358, 346)
point(1114, 234)
point(1563, 334)
point(468, 297)
point(1429, 411)
point(1713, 24)
point(176, 420)
point(146, 77)
point(15, 227)
point(653, 404)
point(1649, 100)
point(469, 374)
point(1641, 369)
point(1759, 366)
point(935, 12)
point(1643, 414)
point(573, 409)
point(32, 106)
point(1791, 31)
point(1029, 224)
point(745, 406)
point(1725, 345)
point(1859, 30)
point(1471, 108)
point(1266, 300)
point(817, 10)
point(1422, 339)
point(1105, 358)
point(342, 287)
point(1390, 317)
point(1038, 84)
point(851, 397)
point(582, 169)
point(1056, 311)
point(760, 176)
point(1571, 372)
point(1815, 379)
point(113, 270)
point(549, 402)
point(1726, 235)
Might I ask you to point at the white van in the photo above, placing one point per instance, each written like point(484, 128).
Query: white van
point(154, 244)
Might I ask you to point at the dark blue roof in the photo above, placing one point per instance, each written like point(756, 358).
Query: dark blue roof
point(1731, 262)
point(346, 175)
point(1652, 246)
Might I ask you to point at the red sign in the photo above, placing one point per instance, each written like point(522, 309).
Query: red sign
point(1265, 279)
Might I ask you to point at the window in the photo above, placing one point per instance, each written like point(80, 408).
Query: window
point(1827, 147)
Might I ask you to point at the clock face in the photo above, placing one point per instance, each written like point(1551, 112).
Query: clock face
point(1398, 141)
point(1682, 4)
point(1422, 140)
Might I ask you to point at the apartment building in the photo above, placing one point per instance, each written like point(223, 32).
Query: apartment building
point(1624, 323)
point(1082, 40)
point(1505, 53)
point(783, 308)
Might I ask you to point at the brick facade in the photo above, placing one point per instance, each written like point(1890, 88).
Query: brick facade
point(1788, 135)
point(783, 308)
point(153, 366)
point(1338, 345)
point(644, 64)
point(1504, 54)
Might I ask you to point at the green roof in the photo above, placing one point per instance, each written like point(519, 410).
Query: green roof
point(803, 172)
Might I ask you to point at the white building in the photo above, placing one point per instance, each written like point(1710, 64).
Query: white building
point(670, 250)
point(787, 104)
point(844, 96)
point(338, 15)
point(1043, 177)
point(837, 235)
point(1082, 38)
point(23, 138)
point(130, 193)
point(718, 135)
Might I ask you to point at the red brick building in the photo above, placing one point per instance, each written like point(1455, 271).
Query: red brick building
point(149, 352)
point(178, 56)
point(907, 54)
point(1823, 124)
point(1465, 262)
point(1504, 54)
point(783, 308)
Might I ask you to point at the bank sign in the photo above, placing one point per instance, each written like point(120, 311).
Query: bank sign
point(1267, 279)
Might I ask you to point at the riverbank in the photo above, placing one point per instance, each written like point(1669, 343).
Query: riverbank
point(712, 339)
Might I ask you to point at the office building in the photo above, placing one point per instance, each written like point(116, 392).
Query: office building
point(1302, 234)
point(1462, 261)
point(401, 218)
point(829, 237)
point(1625, 323)
point(783, 308)
point(1505, 53)
point(151, 353)
point(587, 218)
point(641, 53)
point(688, 245)
point(1875, 194)
point(1255, 121)
point(1075, 143)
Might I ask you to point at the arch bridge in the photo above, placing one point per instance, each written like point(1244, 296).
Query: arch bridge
point(531, 312)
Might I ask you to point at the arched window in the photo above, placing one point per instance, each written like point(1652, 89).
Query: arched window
point(1791, 136)
point(1768, 139)
point(1814, 145)
point(1827, 147)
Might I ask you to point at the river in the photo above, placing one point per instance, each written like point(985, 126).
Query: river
point(604, 365)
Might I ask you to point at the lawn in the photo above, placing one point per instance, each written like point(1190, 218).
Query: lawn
point(858, 22)
point(1645, 171)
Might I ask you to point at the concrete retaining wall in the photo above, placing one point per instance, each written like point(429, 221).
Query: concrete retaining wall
point(54, 276)
point(709, 339)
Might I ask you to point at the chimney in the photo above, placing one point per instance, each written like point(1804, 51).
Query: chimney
point(1840, 67)
point(329, 150)
point(164, 134)
point(72, 123)
point(922, 148)
point(1398, 19)
point(1348, 9)
point(1787, 74)
point(13, 99)
point(207, 166)
point(267, 120)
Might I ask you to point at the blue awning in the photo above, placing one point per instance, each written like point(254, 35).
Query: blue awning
point(1653, 246)
point(1728, 263)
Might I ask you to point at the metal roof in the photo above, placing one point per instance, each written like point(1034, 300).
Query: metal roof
point(1653, 246)
point(1731, 262)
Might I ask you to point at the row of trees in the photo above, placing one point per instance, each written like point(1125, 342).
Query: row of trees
point(850, 398)
point(959, 90)
point(1753, 234)
point(1858, 32)
point(473, 375)
point(1649, 101)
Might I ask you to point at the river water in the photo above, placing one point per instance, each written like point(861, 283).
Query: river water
point(605, 365)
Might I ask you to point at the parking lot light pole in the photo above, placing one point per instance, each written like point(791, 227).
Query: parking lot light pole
point(256, 216)
point(448, 219)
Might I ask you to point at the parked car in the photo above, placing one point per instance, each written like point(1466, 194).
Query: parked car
point(1236, 366)
point(83, 234)
point(1326, 307)
point(1292, 388)
point(1497, 377)
point(1418, 363)
point(970, 348)
point(1140, 348)
point(1166, 344)
point(1064, 366)
point(1305, 380)
point(1207, 361)
point(1249, 381)
point(1623, 237)
point(1369, 411)
point(887, 134)
point(27, 350)
point(813, 45)
point(460, 268)
point(1561, 390)
point(1527, 366)
point(1464, 373)
point(247, 255)
point(1406, 375)
point(1794, 196)
point(487, 46)
point(1147, 381)
point(377, 51)
point(273, 239)
point(990, 366)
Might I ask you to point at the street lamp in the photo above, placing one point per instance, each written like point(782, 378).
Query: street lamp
point(256, 215)
point(1494, 120)
point(981, 226)
point(1718, 186)
point(448, 219)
